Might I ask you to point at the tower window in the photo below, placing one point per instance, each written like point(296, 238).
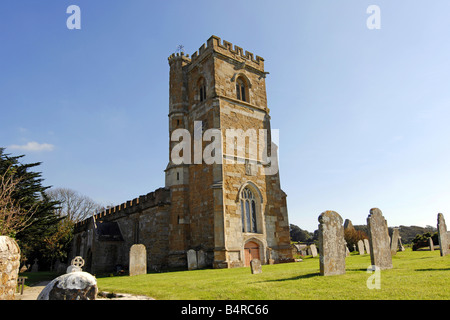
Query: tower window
point(248, 211)
point(241, 90)
point(202, 89)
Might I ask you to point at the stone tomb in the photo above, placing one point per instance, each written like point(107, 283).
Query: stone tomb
point(331, 244)
point(380, 250)
point(138, 260)
point(255, 266)
point(442, 235)
point(71, 286)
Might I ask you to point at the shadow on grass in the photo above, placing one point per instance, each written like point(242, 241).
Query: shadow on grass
point(303, 276)
point(433, 269)
point(356, 269)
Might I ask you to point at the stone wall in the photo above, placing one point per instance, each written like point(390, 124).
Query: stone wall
point(144, 220)
point(9, 267)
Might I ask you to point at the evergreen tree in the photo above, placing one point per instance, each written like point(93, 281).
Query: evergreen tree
point(30, 195)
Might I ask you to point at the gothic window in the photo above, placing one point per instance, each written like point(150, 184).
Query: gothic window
point(241, 89)
point(202, 89)
point(248, 211)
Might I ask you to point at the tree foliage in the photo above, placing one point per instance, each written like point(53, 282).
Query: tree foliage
point(73, 205)
point(29, 204)
point(299, 235)
point(352, 236)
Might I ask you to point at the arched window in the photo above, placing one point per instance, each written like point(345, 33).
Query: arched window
point(241, 89)
point(202, 89)
point(248, 211)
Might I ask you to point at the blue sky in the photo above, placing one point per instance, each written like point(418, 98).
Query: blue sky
point(363, 114)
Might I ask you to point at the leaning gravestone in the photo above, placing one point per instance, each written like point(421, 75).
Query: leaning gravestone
point(201, 259)
point(255, 266)
point(9, 267)
point(367, 246)
point(360, 247)
point(394, 241)
point(71, 286)
point(430, 242)
point(442, 235)
point(138, 260)
point(331, 244)
point(192, 259)
point(380, 251)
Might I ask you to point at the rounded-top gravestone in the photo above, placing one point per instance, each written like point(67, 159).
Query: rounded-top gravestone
point(331, 244)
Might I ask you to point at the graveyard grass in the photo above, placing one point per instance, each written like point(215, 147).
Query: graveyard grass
point(416, 275)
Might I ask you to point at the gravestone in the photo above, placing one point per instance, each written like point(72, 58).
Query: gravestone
point(255, 266)
point(361, 247)
point(430, 241)
point(348, 225)
point(367, 246)
point(9, 268)
point(192, 259)
point(313, 250)
point(138, 260)
point(442, 235)
point(35, 267)
point(394, 241)
point(75, 265)
point(380, 250)
point(71, 286)
point(400, 245)
point(331, 244)
point(201, 259)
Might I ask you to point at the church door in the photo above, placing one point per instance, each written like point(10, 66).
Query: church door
point(251, 250)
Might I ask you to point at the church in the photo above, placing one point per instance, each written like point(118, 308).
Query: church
point(231, 209)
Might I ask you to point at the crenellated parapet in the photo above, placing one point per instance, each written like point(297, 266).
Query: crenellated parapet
point(225, 48)
point(158, 197)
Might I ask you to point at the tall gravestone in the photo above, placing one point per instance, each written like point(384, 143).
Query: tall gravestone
point(138, 260)
point(394, 241)
point(361, 247)
point(380, 249)
point(9, 267)
point(313, 250)
point(331, 244)
point(442, 235)
point(430, 242)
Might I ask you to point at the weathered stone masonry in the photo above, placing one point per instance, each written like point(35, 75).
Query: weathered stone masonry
point(230, 211)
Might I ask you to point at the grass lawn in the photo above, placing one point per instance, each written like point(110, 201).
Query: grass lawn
point(416, 275)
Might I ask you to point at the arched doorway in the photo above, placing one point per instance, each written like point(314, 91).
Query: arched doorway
point(251, 250)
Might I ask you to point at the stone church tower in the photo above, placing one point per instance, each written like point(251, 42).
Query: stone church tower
point(231, 209)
